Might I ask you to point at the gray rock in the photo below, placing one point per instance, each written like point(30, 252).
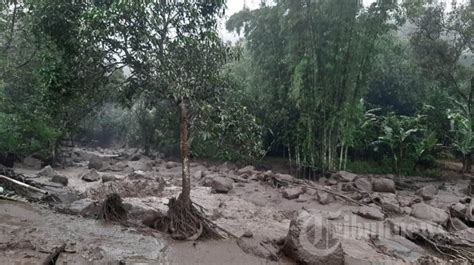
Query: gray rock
point(427, 192)
point(90, 176)
point(247, 169)
point(325, 198)
point(370, 213)
point(344, 176)
point(383, 185)
point(171, 164)
point(84, 207)
point(331, 182)
point(138, 174)
point(400, 247)
point(96, 162)
point(292, 193)
point(143, 165)
point(207, 181)
point(108, 177)
point(198, 175)
point(136, 209)
point(47, 171)
point(312, 242)
point(259, 246)
point(32, 163)
point(248, 234)
point(60, 179)
point(222, 184)
point(429, 213)
point(363, 184)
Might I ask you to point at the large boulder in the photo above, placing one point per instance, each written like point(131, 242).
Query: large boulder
point(142, 164)
point(310, 240)
point(325, 198)
point(427, 192)
point(344, 176)
point(292, 193)
point(108, 177)
point(429, 213)
point(370, 213)
point(90, 176)
point(197, 175)
point(383, 185)
point(222, 184)
point(32, 163)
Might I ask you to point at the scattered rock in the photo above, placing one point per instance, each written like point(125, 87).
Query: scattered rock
point(142, 165)
point(408, 226)
point(292, 193)
point(90, 176)
point(96, 162)
point(247, 169)
point(47, 171)
point(363, 184)
point(108, 177)
point(370, 213)
point(248, 234)
point(302, 244)
point(222, 185)
point(325, 198)
point(84, 207)
point(119, 166)
point(32, 162)
point(60, 179)
point(427, 192)
point(171, 164)
point(456, 224)
point(334, 215)
point(331, 182)
point(426, 212)
point(344, 176)
point(137, 209)
point(207, 181)
point(259, 246)
point(400, 247)
point(138, 174)
point(383, 185)
point(198, 175)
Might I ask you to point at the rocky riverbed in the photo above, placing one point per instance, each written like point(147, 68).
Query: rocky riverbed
point(371, 219)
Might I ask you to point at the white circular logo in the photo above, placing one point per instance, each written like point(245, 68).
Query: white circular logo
point(316, 237)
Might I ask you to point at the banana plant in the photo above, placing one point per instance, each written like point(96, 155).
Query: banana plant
point(461, 126)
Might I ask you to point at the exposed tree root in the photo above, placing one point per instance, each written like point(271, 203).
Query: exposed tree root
point(112, 209)
point(184, 222)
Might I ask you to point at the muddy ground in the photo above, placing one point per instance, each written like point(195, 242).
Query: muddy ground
point(258, 204)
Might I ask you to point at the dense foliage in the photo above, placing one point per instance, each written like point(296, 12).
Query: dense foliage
point(329, 84)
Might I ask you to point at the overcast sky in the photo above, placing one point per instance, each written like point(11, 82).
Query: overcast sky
point(234, 6)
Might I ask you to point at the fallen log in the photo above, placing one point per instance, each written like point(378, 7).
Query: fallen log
point(19, 183)
point(53, 257)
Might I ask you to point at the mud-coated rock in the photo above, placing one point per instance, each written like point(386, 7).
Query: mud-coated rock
point(198, 175)
point(427, 192)
point(247, 169)
point(370, 213)
point(90, 176)
point(258, 246)
point(60, 179)
point(222, 184)
point(344, 176)
point(429, 213)
point(47, 171)
point(84, 207)
point(325, 198)
point(32, 162)
point(108, 177)
point(95, 162)
point(363, 184)
point(383, 185)
point(311, 241)
point(292, 193)
point(137, 209)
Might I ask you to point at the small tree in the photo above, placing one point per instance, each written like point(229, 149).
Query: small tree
point(463, 139)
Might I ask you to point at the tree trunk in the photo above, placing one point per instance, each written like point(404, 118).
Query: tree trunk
point(185, 195)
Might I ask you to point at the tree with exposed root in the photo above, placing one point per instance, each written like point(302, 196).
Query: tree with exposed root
point(174, 53)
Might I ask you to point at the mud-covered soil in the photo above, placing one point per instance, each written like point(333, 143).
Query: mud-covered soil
point(29, 230)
